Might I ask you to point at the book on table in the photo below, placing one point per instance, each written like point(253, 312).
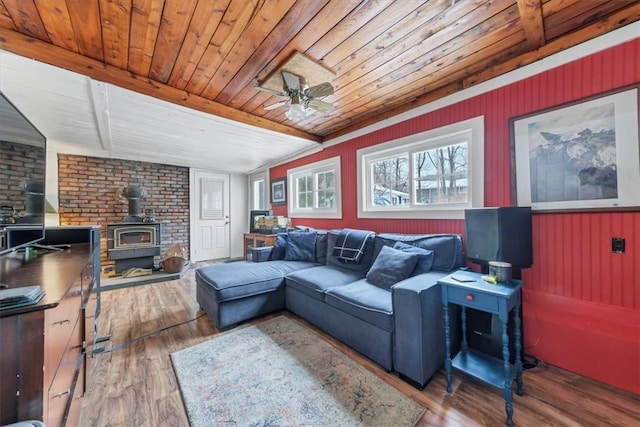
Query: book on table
point(18, 297)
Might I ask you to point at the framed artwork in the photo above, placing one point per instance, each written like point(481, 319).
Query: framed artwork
point(254, 216)
point(279, 191)
point(578, 156)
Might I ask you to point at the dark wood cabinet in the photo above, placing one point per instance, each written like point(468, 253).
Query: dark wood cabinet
point(44, 359)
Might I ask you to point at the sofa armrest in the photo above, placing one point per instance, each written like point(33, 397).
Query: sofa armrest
point(419, 347)
point(261, 254)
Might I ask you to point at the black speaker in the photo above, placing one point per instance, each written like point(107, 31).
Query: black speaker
point(484, 333)
point(499, 234)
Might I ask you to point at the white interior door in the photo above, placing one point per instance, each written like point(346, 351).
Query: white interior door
point(209, 215)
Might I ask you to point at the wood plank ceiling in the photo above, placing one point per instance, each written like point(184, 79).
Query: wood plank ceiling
point(387, 56)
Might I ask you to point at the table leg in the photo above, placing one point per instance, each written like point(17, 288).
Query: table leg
point(464, 346)
point(447, 346)
point(508, 395)
point(518, 349)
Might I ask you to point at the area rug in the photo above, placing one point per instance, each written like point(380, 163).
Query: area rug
point(279, 373)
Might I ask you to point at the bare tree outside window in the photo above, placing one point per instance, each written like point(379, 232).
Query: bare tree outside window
point(391, 181)
point(441, 175)
point(305, 192)
point(326, 189)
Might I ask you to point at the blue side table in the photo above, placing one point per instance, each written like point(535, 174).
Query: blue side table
point(467, 289)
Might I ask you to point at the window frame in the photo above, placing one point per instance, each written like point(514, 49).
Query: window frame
point(255, 178)
point(471, 130)
point(314, 169)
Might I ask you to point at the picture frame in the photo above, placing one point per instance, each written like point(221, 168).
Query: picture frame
point(279, 191)
point(254, 216)
point(579, 156)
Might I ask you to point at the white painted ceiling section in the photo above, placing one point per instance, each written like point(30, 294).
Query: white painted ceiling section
point(82, 116)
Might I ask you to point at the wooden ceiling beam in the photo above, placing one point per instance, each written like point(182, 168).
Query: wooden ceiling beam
point(613, 22)
point(410, 59)
point(29, 47)
point(585, 16)
point(532, 23)
point(459, 53)
point(449, 70)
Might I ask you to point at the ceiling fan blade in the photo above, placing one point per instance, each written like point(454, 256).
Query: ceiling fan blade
point(276, 105)
point(323, 89)
point(322, 106)
point(292, 81)
point(275, 92)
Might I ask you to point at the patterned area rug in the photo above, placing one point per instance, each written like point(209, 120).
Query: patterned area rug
point(278, 373)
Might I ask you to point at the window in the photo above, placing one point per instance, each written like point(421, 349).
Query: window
point(258, 191)
point(434, 174)
point(314, 190)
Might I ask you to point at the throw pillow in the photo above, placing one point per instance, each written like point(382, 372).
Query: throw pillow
point(425, 257)
point(445, 250)
point(301, 247)
point(277, 252)
point(391, 266)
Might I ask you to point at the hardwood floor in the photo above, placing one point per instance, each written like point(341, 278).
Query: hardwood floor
point(135, 385)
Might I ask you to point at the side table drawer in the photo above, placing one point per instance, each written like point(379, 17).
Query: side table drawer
point(473, 299)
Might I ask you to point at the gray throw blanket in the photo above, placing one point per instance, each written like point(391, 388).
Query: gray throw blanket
point(350, 244)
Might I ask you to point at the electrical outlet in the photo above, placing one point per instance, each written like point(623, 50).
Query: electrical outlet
point(617, 245)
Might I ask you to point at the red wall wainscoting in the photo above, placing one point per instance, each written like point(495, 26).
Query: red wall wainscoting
point(581, 301)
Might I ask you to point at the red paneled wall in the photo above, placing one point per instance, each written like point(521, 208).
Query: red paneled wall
point(581, 301)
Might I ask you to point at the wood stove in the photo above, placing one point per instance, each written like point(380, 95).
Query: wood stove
point(133, 244)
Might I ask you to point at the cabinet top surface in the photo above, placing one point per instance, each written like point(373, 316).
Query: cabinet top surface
point(478, 285)
point(55, 272)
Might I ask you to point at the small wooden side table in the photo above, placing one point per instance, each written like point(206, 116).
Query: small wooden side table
point(256, 240)
point(497, 299)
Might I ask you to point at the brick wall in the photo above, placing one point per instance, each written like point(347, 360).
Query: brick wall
point(17, 163)
point(87, 191)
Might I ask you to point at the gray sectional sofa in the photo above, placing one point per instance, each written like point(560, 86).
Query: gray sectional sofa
point(385, 303)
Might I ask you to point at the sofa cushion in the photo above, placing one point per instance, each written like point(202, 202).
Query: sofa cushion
point(365, 301)
point(277, 252)
point(365, 261)
point(321, 246)
point(425, 257)
point(447, 248)
point(245, 278)
point(391, 266)
point(278, 249)
point(316, 281)
point(301, 247)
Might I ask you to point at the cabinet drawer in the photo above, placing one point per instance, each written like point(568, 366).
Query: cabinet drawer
point(468, 298)
point(59, 392)
point(59, 327)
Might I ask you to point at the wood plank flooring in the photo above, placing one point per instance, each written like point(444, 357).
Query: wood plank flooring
point(136, 386)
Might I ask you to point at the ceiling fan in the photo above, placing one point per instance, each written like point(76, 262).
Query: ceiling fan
point(302, 99)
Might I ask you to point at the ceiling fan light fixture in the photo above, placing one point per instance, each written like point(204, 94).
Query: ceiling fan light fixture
point(297, 112)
